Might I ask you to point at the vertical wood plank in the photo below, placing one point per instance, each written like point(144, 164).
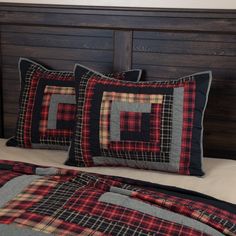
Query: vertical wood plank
point(123, 43)
point(1, 90)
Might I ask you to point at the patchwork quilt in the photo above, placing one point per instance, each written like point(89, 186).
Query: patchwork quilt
point(40, 201)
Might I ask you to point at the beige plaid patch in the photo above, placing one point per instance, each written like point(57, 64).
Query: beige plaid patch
point(10, 212)
point(48, 225)
point(44, 116)
point(11, 209)
point(27, 196)
point(104, 123)
point(131, 97)
point(59, 90)
point(89, 232)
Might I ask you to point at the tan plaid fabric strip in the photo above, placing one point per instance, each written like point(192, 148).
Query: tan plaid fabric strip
point(59, 90)
point(131, 97)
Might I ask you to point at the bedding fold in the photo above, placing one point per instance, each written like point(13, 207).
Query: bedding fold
point(47, 200)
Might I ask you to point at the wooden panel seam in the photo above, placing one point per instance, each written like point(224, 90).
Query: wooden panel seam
point(123, 46)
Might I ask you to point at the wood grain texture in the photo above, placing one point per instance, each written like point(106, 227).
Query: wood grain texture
point(167, 44)
point(122, 50)
point(1, 93)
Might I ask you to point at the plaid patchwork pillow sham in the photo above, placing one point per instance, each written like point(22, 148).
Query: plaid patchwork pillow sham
point(150, 125)
point(47, 106)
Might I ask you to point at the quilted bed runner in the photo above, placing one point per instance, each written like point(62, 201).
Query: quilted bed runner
point(41, 201)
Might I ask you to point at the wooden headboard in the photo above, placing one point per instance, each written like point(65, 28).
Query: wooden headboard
point(167, 44)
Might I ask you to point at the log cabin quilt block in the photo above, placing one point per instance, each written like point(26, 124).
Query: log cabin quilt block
point(47, 106)
point(150, 125)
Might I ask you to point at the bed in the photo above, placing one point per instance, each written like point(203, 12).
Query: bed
point(218, 172)
point(165, 44)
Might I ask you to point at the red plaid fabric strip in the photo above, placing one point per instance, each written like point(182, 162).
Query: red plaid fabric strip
point(7, 175)
point(56, 132)
point(44, 114)
point(66, 112)
point(86, 153)
point(188, 115)
point(130, 121)
point(155, 123)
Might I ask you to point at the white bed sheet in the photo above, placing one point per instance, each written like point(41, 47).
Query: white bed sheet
point(219, 180)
